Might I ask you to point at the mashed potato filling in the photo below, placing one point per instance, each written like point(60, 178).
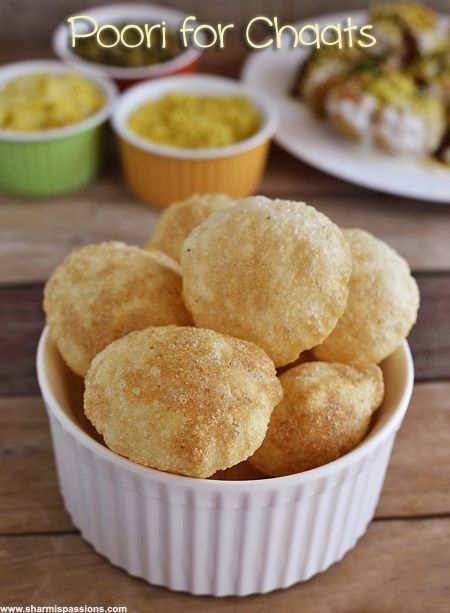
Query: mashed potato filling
point(45, 101)
point(193, 121)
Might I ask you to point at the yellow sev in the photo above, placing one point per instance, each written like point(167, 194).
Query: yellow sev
point(36, 102)
point(194, 121)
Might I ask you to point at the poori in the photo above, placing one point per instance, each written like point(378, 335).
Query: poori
point(179, 219)
point(101, 292)
point(268, 283)
point(325, 413)
point(273, 272)
point(382, 304)
point(180, 399)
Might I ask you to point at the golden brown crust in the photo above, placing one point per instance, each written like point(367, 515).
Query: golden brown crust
point(269, 271)
point(305, 356)
point(382, 304)
point(164, 260)
point(101, 292)
point(182, 400)
point(325, 413)
point(179, 219)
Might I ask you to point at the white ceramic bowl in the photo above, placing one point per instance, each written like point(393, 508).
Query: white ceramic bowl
point(209, 536)
point(127, 13)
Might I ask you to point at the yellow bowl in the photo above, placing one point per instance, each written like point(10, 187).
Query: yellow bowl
point(159, 174)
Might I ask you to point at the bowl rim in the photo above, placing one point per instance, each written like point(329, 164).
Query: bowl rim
point(137, 95)
point(113, 13)
point(151, 474)
point(9, 72)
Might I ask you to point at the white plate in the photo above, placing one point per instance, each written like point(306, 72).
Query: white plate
point(317, 143)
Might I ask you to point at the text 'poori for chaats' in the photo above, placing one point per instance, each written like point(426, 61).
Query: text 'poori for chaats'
point(395, 94)
point(127, 50)
point(179, 342)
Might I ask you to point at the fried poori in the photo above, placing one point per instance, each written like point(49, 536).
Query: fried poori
point(179, 219)
point(325, 413)
point(269, 271)
point(382, 304)
point(182, 400)
point(101, 292)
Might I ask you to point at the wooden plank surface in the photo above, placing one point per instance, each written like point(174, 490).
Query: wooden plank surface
point(36, 234)
point(30, 499)
point(398, 567)
point(416, 484)
point(417, 481)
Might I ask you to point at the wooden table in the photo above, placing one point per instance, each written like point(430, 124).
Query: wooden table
point(402, 564)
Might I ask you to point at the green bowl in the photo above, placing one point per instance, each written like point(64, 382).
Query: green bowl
point(51, 167)
point(57, 161)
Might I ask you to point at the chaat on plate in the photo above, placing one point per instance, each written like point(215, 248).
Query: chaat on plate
point(394, 95)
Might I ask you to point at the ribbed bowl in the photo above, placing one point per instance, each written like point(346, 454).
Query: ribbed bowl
point(56, 161)
point(159, 174)
point(160, 180)
point(217, 537)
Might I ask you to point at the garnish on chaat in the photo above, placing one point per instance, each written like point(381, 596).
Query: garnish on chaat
point(394, 95)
